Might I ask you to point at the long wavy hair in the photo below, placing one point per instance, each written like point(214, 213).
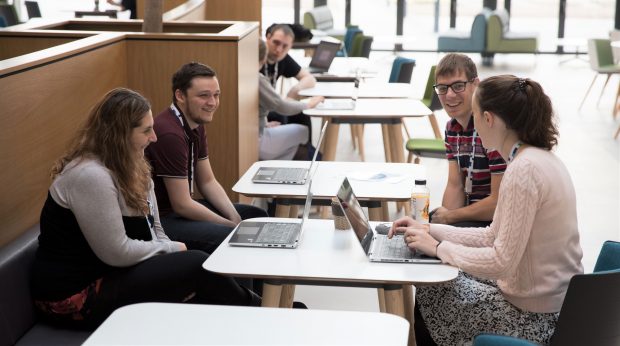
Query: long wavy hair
point(106, 136)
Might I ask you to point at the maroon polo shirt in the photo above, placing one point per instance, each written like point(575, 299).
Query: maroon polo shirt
point(175, 154)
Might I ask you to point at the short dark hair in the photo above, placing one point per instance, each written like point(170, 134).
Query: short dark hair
point(523, 105)
point(182, 79)
point(286, 30)
point(453, 63)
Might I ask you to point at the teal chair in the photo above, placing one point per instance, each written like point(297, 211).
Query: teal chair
point(590, 314)
point(349, 36)
point(428, 147)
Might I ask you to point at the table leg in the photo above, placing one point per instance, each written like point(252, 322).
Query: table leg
point(271, 295)
point(386, 143)
point(293, 211)
point(385, 211)
point(396, 145)
point(330, 142)
point(282, 210)
point(381, 295)
point(395, 304)
point(409, 303)
point(287, 295)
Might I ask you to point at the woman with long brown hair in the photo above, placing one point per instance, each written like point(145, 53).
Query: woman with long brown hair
point(102, 245)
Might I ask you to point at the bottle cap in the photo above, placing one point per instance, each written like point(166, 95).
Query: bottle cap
point(420, 181)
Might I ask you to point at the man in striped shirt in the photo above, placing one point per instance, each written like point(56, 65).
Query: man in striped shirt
point(474, 172)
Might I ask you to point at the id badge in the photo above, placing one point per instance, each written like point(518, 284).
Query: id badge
point(468, 185)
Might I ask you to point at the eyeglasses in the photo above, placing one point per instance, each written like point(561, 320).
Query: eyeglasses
point(457, 87)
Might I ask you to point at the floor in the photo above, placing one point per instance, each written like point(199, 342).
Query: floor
point(586, 146)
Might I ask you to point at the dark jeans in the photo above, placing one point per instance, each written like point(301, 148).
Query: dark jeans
point(168, 278)
point(207, 236)
point(292, 119)
point(464, 223)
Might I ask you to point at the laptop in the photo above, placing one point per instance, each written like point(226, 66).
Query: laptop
point(341, 104)
point(287, 175)
point(323, 56)
point(377, 247)
point(272, 234)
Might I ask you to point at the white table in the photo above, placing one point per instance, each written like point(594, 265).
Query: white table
point(192, 324)
point(366, 90)
point(345, 68)
point(386, 111)
point(396, 186)
point(326, 257)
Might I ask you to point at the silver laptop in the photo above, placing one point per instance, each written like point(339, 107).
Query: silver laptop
point(323, 56)
point(341, 104)
point(377, 247)
point(287, 175)
point(270, 233)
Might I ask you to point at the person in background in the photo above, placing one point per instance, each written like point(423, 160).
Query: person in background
point(516, 271)
point(126, 5)
point(474, 173)
point(180, 162)
point(279, 40)
point(102, 245)
point(278, 141)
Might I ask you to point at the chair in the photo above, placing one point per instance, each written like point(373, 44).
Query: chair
point(602, 62)
point(32, 7)
point(320, 18)
point(473, 41)
point(590, 314)
point(501, 40)
point(9, 14)
point(428, 147)
point(349, 36)
point(361, 46)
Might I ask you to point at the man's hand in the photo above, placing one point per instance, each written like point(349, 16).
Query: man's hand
point(441, 215)
point(273, 124)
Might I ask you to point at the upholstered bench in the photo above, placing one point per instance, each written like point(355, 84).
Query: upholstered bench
point(320, 18)
point(460, 41)
point(18, 321)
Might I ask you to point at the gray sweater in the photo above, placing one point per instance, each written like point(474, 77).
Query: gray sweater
point(89, 190)
point(270, 100)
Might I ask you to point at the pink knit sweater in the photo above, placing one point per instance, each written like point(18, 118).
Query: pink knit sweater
point(532, 247)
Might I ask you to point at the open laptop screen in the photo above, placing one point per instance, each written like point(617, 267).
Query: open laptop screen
point(355, 214)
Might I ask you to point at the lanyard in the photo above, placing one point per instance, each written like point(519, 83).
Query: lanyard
point(177, 112)
point(274, 77)
point(514, 150)
point(149, 217)
point(470, 169)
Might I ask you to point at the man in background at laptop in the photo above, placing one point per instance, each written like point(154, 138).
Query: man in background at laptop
point(180, 161)
point(473, 186)
point(279, 40)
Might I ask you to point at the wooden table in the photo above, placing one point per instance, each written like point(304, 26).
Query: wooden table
point(327, 257)
point(372, 193)
point(193, 324)
point(386, 111)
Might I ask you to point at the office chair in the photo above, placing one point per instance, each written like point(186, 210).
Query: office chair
point(428, 147)
point(590, 314)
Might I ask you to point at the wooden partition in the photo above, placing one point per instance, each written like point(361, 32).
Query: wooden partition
point(46, 95)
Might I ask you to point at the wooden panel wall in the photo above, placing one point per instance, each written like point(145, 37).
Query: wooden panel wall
point(41, 108)
point(240, 10)
point(233, 134)
point(11, 47)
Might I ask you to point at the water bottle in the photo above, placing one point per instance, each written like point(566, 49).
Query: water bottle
point(420, 201)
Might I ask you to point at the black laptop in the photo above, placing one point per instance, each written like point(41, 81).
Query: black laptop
point(323, 56)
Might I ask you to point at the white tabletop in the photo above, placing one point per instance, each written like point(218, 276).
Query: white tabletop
point(377, 108)
point(324, 255)
point(346, 66)
point(365, 178)
point(191, 324)
point(366, 90)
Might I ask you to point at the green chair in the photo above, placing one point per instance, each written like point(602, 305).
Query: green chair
point(602, 62)
point(361, 46)
point(590, 314)
point(428, 147)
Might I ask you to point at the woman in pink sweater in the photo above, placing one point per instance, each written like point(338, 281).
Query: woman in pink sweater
point(515, 272)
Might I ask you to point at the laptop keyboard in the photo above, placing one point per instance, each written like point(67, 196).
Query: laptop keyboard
point(336, 104)
point(290, 174)
point(392, 248)
point(277, 233)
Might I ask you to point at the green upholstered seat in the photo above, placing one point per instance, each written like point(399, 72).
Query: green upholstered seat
point(501, 40)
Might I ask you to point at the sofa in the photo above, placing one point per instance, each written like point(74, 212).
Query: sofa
point(473, 41)
point(501, 40)
point(19, 324)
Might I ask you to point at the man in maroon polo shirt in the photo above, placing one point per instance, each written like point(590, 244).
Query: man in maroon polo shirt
point(180, 161)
